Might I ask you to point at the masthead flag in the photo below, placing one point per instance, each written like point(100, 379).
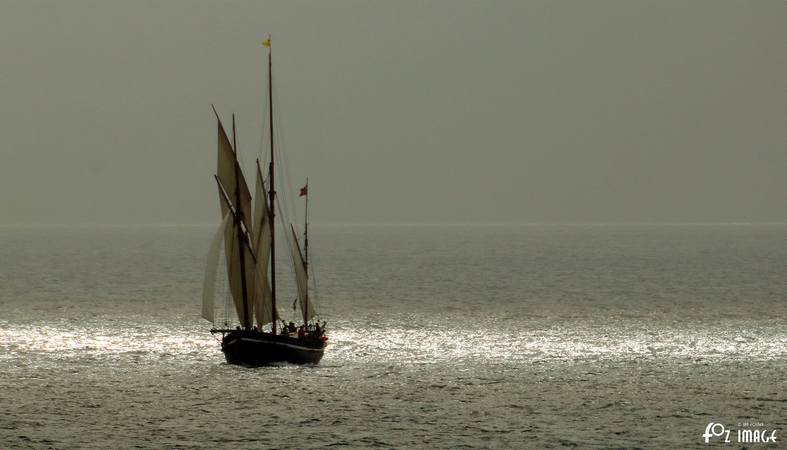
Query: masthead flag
point(267, 42)
point(304, 190)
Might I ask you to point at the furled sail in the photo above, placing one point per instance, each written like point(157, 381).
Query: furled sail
point(301, 279)
point(226, 171)
point(209, 283)
point(244, 306)
point(261, 241)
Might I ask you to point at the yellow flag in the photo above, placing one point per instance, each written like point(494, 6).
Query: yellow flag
point(267, 43)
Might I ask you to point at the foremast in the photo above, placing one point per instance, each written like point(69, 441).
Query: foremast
point(239, 229)
point(235, 201)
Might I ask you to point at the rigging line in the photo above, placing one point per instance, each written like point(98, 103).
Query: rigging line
point(287, 236)
point(284, 166)
point(314, 298)
point(313, 277)
point(282, 190)
point(281, 172)
point(288, 241)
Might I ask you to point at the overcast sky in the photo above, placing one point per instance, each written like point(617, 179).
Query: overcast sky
point(400, 111)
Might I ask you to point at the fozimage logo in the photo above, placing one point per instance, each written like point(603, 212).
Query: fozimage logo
point(747, 433)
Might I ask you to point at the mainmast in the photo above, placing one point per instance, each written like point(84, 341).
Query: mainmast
point(238, 219)
point(306, 228)
point(306, 246)
point(271, 191)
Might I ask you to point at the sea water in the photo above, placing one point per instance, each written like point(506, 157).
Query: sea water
point(530, 336)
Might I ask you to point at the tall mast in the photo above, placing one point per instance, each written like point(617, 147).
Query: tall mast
point(306, 229)
point(238, 219)
point(306, 250)
point(271, 191)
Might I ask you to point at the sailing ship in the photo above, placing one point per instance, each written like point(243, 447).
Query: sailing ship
point(249, 247)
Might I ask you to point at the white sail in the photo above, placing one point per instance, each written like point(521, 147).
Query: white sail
point(301, 279)
point(261, 241)
point(233, 243)
point(209, 283)
point(263, 308)
point(227, 167)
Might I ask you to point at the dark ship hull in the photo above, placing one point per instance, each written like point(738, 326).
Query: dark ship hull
point(255, 348)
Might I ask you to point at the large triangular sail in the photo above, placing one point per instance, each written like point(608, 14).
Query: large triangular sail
point(235, 245)
point(261, 242)
point(301, 279)
point(236, 203)
point(227, 170)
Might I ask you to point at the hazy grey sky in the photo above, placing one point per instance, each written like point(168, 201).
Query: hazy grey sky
point(400, 111)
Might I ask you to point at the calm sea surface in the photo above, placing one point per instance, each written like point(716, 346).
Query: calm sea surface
point(440, 337)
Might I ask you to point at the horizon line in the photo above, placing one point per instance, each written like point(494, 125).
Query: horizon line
point(410, 224)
